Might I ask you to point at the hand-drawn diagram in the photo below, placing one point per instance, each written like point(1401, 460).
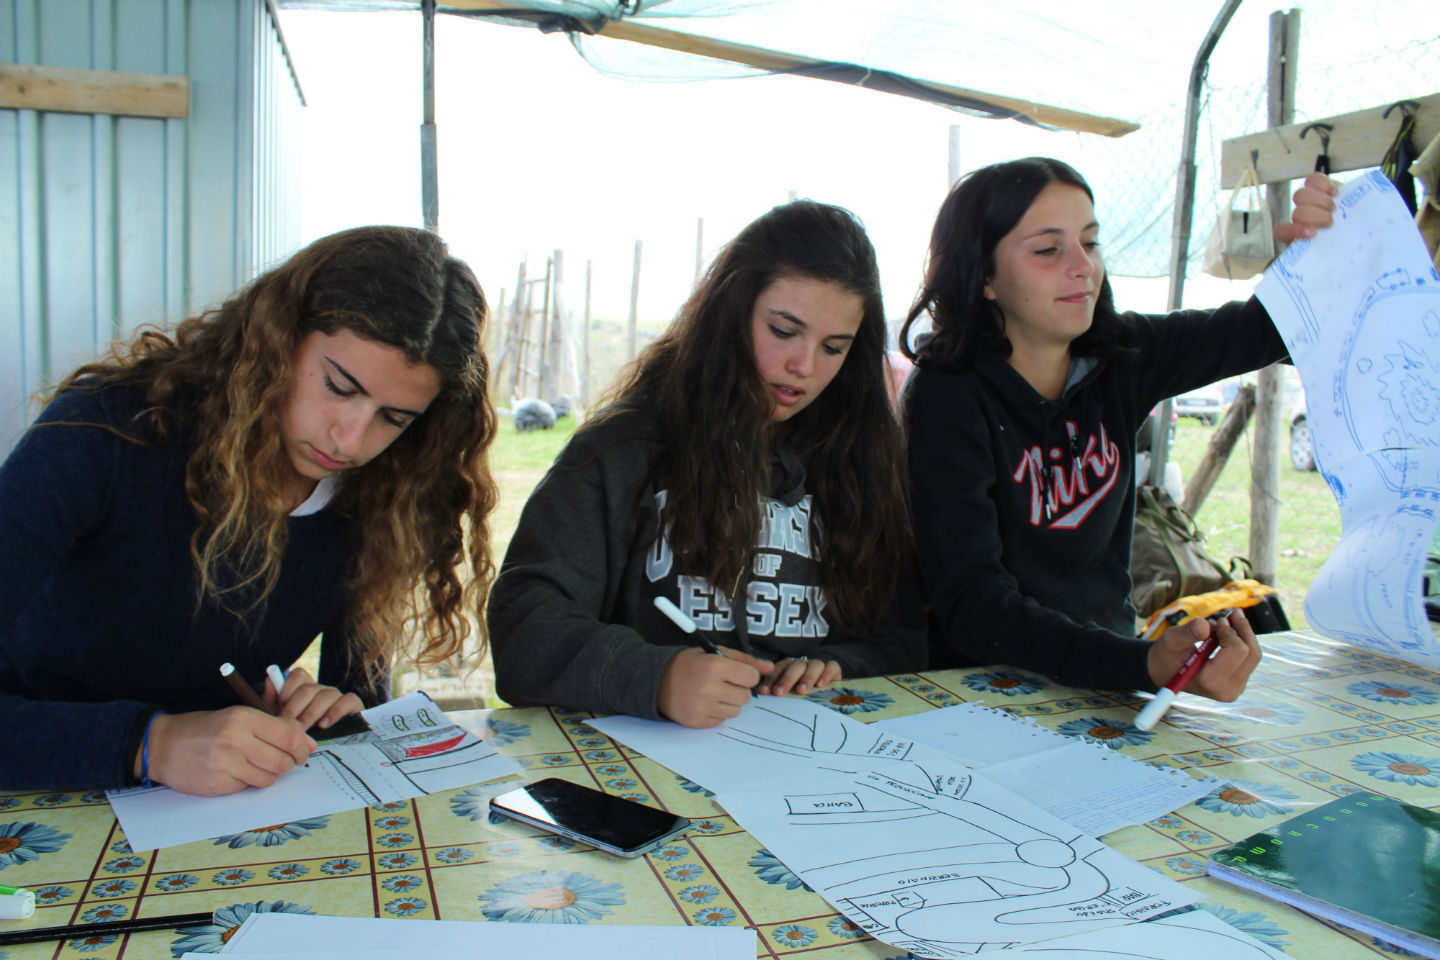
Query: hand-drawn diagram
point(411, 749)
point(1193, 935)
point(940, 862)
point(1359, 308)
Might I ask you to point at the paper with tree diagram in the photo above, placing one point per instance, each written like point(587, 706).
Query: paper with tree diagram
point(1359, 308)
point(411, 749)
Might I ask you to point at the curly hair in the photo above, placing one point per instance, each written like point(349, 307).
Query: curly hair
point(981, 209)
point(419, 508)
point(700, 379)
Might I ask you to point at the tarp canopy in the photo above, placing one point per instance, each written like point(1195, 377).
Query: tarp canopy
point(1106, 68)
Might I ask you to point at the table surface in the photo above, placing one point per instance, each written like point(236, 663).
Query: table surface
point(1319, 719)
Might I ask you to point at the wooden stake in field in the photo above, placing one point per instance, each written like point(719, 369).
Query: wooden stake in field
point(634, 302)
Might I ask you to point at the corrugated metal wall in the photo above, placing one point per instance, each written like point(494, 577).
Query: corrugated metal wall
point(108, 222)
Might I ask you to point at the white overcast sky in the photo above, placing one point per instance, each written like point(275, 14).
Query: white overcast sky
point(540, 152)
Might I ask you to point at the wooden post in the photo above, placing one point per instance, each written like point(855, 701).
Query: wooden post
point(429, 156)
point(634, 302)
point(515, 337)
point(559, 331)
point(952, 168)
point(585, 345)
point(1265, 459)
point(699, 246)
point(1217, 454)
point(545, 374)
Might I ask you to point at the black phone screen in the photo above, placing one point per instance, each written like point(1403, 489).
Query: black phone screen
point(590, 814)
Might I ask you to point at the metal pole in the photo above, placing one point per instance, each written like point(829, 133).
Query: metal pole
point(1184, 211)
point(429, 167)
point(952, 169)
point(634, 302)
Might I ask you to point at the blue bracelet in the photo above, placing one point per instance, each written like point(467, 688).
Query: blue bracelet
point(145, 751)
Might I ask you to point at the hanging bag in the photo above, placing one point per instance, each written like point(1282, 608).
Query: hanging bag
point(1242, 242)
point(1167, 555)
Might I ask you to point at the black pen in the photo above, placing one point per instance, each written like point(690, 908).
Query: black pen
point(76, 931)
point(678, 617)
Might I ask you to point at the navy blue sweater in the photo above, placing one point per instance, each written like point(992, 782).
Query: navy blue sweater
point(98, 617)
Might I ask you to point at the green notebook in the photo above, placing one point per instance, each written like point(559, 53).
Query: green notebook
point(1364, 861)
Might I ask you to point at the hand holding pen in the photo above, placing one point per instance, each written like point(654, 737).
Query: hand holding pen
point(1218, 668)
point(703, 686)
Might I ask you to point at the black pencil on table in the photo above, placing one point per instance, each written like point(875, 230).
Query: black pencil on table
point(77, 931)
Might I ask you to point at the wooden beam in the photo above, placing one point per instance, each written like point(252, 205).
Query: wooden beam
point(780, 61)
point(1358, 141)
point(25, 86)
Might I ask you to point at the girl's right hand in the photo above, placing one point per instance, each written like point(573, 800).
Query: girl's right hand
point(1314, 209)
point(215, 752)
point(699, 689)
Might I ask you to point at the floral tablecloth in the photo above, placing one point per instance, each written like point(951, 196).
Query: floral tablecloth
point(1319, 720)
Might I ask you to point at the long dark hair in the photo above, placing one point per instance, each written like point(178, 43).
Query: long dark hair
point(981, 209)
point(420, 506)
point(700, 380)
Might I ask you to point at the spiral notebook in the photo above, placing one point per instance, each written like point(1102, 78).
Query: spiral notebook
point(1363, 861)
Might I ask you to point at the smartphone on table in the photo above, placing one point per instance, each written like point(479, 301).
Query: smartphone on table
point(613, 824)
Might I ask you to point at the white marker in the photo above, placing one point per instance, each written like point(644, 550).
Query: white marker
point(678, 617)
point(277, 677)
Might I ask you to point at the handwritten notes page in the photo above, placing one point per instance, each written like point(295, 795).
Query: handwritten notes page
point(412, 749)
point(1359, 308)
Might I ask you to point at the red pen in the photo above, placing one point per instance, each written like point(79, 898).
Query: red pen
point(1156, 708)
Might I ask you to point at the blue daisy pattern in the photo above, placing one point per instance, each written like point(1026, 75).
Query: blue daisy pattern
point(211, 937)
point(113, 888)
point(503, 732)
point(555, 843)
point(472, 803)
point(94, 796)
point(505, 848)
point(637, 797)
point(396, 840)
point(793, 935)
point(51, 800)
point(339, 866)
point(1187, 866)
point(714, 917)
point(768, 867)
point(452, 855)
point(1004, 681)
point(599, 755)
point(1383, 691)
point(1256, 924)
point(274, 835)
point(1266, 711)
point(700, 893)
point(124, 864)
point(287, 871)
point(1249, 799)
point(554, 759)
point(551, 896)
point(397, 861)
point(1404, 768)
point(1167, 822)
point(671, 852)
point(404, 883)
point(7, 802)
point(232, 877)
point(405, 906)
point(52, 894)
point(176, 882)
point(1195, 838)
point(685, 872)
point(690, 786)
point(391, 822)
point(850, 700)
point(389, 805)
point(706, 826)
point(24, 842)
point(612, 769)
point(845, 929)
point(92, 943)
point(1115, 734)
point(110, 911)
point(622, 783)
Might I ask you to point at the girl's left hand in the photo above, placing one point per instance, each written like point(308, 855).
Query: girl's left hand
point(1314, 209)
point(799, 674)
point(310, 702)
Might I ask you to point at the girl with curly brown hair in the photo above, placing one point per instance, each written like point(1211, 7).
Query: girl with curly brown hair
point(747, 471)
point(309, 458)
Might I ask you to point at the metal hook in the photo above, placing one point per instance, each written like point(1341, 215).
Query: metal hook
point(1407, 107)
point(1255, 159)
point(1322, 130)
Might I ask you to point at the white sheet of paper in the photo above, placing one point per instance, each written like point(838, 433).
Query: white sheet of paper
point(412, 749)
point(282, 934)
point(1359, 308)
point(938, 861)
point(1088, 786)
point(774, 740)
point(1195, 935)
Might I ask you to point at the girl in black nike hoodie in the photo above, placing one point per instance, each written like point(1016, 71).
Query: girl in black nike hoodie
point(1021, 423)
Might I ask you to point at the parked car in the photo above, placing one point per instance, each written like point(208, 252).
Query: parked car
point(1205, 404)
point(1302, 448)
